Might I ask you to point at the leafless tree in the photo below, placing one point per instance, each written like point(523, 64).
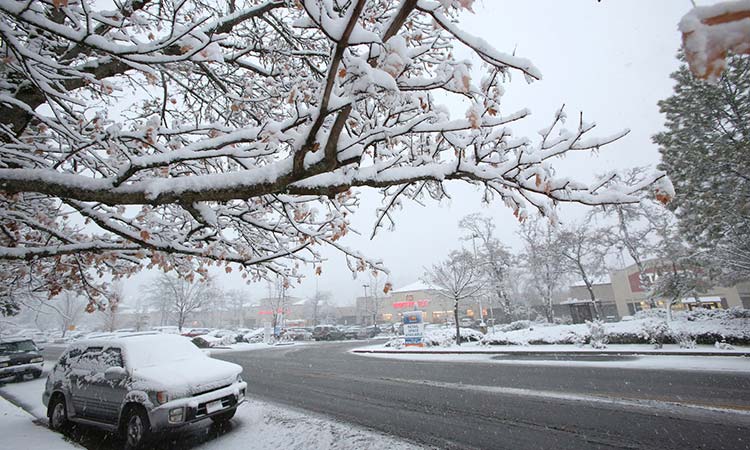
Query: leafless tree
point(236, 300)
point(277, 301)
point(184, 297)
point(495, 259)
point(317, 304)
point(174, 134)
point(69, 310)
point(544, 262)
point(459, 277)
point(584, 249)
point(109, 315)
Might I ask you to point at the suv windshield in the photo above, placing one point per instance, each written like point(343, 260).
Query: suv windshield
point(7, 348)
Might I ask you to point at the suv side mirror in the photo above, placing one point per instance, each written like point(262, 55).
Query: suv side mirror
point(115, 374)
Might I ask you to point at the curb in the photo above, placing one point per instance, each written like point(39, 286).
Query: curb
point(553, 354)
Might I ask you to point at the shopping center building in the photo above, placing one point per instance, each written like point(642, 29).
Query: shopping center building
point(624, 294)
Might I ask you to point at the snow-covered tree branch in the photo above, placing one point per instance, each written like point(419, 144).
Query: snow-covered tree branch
point(178, 134)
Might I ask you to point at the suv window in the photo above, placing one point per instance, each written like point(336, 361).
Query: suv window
point(99, 359)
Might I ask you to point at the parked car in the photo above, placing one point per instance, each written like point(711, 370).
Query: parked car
point(354, 332)
point(139, 385)
point(207, 341)
point(327, 333)
point(19, 357)
point(169, 329)
point(193, 332)
point(298, 334)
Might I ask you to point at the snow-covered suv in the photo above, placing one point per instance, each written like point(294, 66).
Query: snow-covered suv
point(140, 384)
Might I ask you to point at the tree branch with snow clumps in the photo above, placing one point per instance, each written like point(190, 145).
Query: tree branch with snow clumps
point(709, 33)
point(179, 135)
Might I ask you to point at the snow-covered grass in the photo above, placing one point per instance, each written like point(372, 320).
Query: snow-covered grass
point(257, 425)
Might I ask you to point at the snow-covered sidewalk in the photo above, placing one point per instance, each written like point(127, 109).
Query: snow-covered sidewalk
point(18, 431)
point(257, 425)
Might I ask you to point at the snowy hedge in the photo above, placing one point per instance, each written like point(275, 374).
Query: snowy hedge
point(704, 327)
point(443, 337)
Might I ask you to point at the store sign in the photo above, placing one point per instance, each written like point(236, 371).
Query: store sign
point(413, 328)
point(411, 304)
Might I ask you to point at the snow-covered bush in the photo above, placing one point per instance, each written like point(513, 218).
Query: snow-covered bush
point(395, 343)
point(656, 313)
point(255, 336)
point(723, 345)
point(517, 325)
point(721, 314)
point(656, 332)
point(447, 336)
point(597, 334)
point(684, 338)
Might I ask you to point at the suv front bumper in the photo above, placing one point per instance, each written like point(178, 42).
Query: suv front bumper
point(196, 408)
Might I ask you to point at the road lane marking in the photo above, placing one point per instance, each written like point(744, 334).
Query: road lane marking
point(576, 397)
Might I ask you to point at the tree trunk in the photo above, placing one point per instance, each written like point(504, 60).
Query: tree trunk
point(455, 317)
point(597, 313)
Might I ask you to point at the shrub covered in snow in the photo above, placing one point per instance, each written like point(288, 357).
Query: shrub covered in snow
point(597, 334)
point(445, 337)
point(656, 332)
point(255, 336)
point(517, 325)
point(690, 328)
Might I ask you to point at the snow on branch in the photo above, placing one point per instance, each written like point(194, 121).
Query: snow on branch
point(184, 135)
point(710, 32)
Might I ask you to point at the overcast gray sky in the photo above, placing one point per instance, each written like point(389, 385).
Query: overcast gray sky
point(609, 59)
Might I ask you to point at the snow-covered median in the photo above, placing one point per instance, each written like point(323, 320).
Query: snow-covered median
point(257, 425)
point(559, 355)
point(686, 330)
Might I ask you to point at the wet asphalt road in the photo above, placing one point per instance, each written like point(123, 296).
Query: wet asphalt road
point(459, 405)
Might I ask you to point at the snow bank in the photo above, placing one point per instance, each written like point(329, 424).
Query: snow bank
point(698, 327)
point(19, 431)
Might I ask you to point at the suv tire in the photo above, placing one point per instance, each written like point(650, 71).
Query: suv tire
point(136, 428)
point(57, 413)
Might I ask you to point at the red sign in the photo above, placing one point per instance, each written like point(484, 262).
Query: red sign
point(410, 304)
point(269, 312)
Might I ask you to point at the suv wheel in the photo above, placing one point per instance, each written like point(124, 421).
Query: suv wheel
point(137, 428)
point(224, 417)
point(57, 413)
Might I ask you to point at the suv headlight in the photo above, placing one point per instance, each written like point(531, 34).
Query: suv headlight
point(38, 359)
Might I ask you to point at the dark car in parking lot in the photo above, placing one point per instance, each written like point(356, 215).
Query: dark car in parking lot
point(19, 357)
point(327, 333)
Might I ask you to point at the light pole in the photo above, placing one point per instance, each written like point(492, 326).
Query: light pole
point(364, 299)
